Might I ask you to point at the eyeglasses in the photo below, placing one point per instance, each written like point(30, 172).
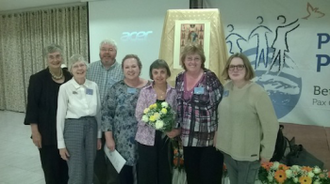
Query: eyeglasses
point(238, 67)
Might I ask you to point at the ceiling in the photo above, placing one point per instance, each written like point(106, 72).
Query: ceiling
point(16, 5)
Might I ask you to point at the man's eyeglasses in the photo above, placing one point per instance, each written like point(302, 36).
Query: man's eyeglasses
point(238, 67)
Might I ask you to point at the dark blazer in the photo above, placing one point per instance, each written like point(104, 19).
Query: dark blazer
point(42, 104)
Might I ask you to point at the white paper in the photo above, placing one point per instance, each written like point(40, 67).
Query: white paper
point(115, 158)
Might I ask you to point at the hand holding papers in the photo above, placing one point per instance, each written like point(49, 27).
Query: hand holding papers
point(115, 158)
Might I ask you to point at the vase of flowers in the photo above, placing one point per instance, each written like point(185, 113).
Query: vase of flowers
point(178, 161)
point(275, 173)
point(179, 174)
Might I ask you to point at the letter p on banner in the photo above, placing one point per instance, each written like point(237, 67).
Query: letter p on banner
point(320, 63)
point(323, 39)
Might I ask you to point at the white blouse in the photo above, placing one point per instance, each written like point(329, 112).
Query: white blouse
point(76, 101)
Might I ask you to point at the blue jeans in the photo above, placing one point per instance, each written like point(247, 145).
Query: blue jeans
point(241, 172)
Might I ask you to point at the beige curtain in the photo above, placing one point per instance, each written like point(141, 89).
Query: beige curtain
point(22, 39)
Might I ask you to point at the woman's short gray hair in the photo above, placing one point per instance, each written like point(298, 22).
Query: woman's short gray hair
point(51, 49)
point(76, 58)
point(109, 42)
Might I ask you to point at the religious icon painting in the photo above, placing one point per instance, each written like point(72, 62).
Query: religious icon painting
point(190, 32)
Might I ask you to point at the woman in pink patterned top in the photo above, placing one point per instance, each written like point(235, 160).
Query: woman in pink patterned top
point(153, 163)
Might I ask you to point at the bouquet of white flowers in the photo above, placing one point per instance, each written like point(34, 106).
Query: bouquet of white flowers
point(160, 116)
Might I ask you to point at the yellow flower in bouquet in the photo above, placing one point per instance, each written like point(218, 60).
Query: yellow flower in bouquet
point(164, 110)
point(152, 118)
point(159, 116)
point(153, 106)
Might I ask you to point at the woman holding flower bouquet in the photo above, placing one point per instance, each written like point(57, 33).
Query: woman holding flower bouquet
point(118, 121)
point(155, 122)
point(248, 125)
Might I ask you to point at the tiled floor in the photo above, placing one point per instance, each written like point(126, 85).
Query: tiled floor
point(19, 158)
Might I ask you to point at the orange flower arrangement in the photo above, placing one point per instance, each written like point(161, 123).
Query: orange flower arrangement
point(267, 165)
point(277, 173)
point(283, 167)
point(224, 170)
point(306, 168)
point(305, 180)
point(280, 176)
point(178, 161)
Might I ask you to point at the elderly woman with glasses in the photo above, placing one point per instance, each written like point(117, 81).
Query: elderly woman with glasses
point(247, 125)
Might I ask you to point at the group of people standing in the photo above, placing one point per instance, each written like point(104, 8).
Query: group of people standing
point(73, 116)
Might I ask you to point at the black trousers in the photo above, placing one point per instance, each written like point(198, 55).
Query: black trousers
point(153, 165)
point(54, 167)
point(203, 165)
point(104, 172)
point(126, 175)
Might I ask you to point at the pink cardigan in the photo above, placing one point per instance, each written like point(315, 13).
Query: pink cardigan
point(145, 134)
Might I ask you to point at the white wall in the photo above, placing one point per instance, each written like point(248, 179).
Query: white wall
point(136, 26)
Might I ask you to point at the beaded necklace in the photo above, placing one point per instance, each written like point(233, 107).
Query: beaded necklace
point(57, 77)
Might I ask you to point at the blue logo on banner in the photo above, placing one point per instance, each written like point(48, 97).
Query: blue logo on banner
point(274, 68)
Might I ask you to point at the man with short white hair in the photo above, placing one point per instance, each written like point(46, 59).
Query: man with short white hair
point(105, 72)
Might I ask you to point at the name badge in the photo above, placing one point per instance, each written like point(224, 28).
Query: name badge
point(199, 90)
point(112, 81)
point(225, 93)
point(89, 91)
point(74, 92)
point(131, 90)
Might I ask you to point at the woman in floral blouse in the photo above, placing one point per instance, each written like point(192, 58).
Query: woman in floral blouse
point(154, 166)
point(118, 120)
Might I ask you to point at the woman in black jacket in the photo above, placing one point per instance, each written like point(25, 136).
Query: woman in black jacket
point(41, 114)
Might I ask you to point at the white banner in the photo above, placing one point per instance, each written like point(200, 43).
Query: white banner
point(288, 44)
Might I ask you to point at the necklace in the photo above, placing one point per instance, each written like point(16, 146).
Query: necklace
point(57, 77)
point(160, 93)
